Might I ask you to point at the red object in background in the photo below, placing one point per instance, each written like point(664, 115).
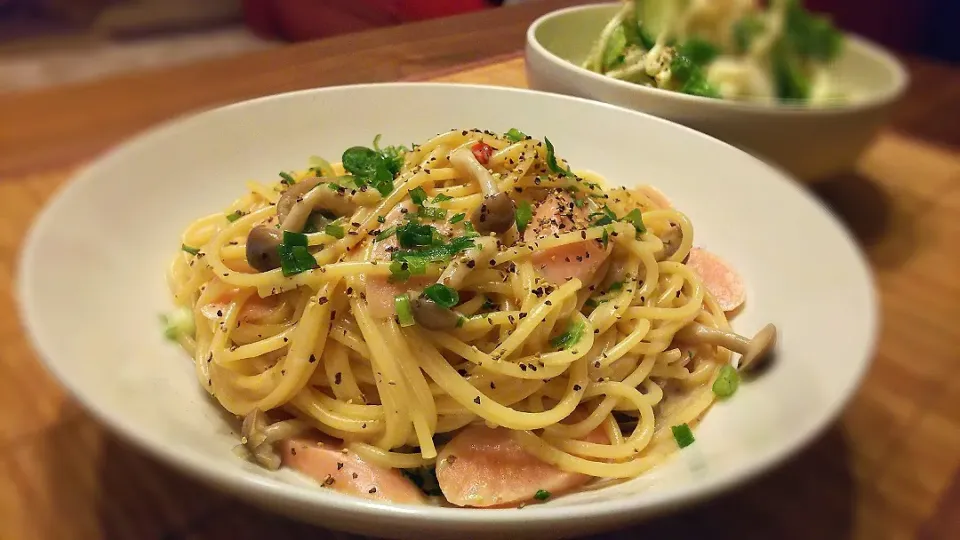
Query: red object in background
point(298, 20)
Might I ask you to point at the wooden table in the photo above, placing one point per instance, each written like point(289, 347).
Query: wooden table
point(890, 468)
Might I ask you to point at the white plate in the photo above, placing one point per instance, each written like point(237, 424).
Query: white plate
point(92, 285)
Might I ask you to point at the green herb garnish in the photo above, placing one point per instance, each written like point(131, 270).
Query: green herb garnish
point(636, 219)
point(233, 216)
point(440, 197)
point(569, 338)
point(728, 380)
point(458, 218)
point(384, 234)
point(178, 323)
point(524, 215)
point(552, 160)
point(433, 213)
point(334, 230)
point(412, 234)
point(418, 195)
point(682, 435)
point(295, 259)
point(442, 295)
point(515, 135)
point(541, 495)
point(190, 250)
point(401, 303)
point(287, 179)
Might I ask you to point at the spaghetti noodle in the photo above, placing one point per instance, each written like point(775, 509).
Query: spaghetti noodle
point(471, 286)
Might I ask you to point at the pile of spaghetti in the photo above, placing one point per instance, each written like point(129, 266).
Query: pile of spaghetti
point(468, 304)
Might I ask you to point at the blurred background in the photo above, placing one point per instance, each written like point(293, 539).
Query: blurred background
point(49, 42)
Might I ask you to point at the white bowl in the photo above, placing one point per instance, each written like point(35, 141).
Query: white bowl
point(812, 144)
point(91, 284)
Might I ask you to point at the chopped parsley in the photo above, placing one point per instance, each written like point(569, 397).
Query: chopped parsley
point(287, 179)
point(524, 215)
point(440, 198)
point(386, 233)
point(541, 495)
point(552, 160)
point(418, 195)
point(233, 216)
point(190, 250)
point(458, 218)
point(515, 135)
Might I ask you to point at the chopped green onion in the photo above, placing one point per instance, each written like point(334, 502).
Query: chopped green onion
point(294, 239)
point(295, 259)
point(190, 250)
point(334, 230)
point(542, 495)
point(515, 135)
point(682, 435)
point(402, 269)
point(287, 179)
point(461, 321)
point(571, 337)
point(385, 234)
point(458, 218)
point(441, 197)
point(442, 295)
point(412, 234)
point(401, 303)
point(636, 220)
point(552, 160)
point(418, 195)
point(728, 380)
point(178, 323)
point(605, 238)
point(381, 219)
point(524, 215)
point(429, 212)
point(615, 286)
point(233, 216)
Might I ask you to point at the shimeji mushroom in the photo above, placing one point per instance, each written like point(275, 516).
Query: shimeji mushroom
point(496, 213)
point(253, 435)
point(258, 435)
point(295, 208)
point(754, 351)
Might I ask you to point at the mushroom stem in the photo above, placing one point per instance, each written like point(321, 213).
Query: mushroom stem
point(497, 213)
point(753, 351)
point(459, 268)
point(466, 164)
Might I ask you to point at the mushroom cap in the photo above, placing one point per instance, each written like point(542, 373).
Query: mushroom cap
point(496, 214)
point(262, 244)
point(432, 316)
point(760, 349)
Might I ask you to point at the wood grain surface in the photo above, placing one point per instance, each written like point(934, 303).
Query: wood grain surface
point(888, 469)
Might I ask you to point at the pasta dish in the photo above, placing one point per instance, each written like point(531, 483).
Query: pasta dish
point(731, 49)
point(466, 322)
